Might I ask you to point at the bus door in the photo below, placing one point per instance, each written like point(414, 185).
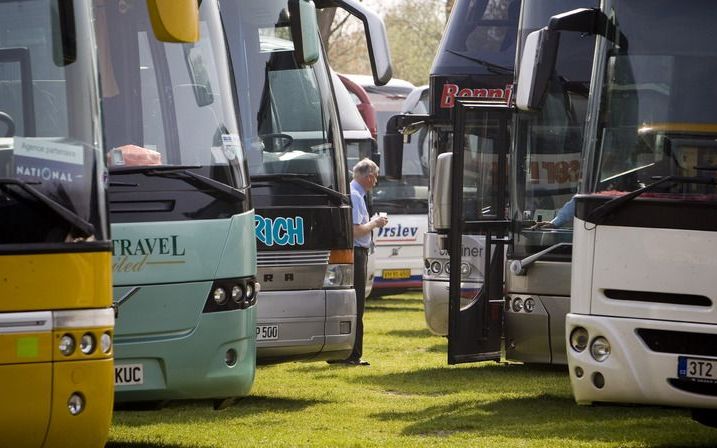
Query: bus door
point(478, 206)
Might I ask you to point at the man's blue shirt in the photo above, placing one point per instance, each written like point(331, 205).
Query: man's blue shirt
point(360, 214)
point(565, 214)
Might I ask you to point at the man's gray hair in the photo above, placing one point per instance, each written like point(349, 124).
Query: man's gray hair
point(364, 167)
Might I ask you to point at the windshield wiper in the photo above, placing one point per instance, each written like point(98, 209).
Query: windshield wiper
point(180, 172)
point(493, 68)
point(300, 179)
point(155, 168)
point(599, 214)
point(66, 214)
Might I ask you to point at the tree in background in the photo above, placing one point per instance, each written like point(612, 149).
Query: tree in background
point(414, 30)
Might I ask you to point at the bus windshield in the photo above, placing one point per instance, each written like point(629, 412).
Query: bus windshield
point(548, 143)
point(167, 104)
point(290, 124)
point(656, 115)
point(480, 38)
point(51, 177)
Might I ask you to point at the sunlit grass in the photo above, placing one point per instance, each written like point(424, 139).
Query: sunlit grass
point(408, 397)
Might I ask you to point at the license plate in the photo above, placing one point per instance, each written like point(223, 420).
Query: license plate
point(129, 374)
point(396, 274)
point(698, 369)
point(267, 332)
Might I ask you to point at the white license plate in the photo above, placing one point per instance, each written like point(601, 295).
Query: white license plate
point(699, 369)
point(129, 374)
point(267, 332)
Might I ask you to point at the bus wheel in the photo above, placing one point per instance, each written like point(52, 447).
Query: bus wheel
point(707, 417)
point(223, 403)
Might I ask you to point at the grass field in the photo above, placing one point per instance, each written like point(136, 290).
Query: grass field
point(408, 397)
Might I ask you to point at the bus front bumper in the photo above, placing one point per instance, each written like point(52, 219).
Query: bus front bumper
point(634, 373)
point(216, 359)
point(305, 325)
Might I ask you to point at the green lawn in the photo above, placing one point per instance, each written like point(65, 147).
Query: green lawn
point(408, 397)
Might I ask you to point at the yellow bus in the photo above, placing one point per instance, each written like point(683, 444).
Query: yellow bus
point(56, 316)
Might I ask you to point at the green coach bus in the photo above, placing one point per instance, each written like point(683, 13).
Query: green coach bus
point(182, 222)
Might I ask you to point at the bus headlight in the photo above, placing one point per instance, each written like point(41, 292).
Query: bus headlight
point(105, 342)
point(339, 276)
point(529, 305)
point(579, 339)
point(87, 343)
point(600, 349)
point(219, 296)
point(76, 403)
point(447, 267)
point(436, 267)
point(67, 345)
point(517, 304)
point(237, 293)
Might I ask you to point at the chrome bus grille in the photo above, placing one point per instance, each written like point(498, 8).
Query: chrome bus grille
point(292, 258)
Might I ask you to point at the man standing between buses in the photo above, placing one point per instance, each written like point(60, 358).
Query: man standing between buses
point(365, 177)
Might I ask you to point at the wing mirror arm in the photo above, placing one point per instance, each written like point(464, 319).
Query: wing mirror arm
point(518, 267)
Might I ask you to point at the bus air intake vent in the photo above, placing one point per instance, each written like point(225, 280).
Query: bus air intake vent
point(694, 387)
point(658, 297)
point(292, 258)
point(679, 342)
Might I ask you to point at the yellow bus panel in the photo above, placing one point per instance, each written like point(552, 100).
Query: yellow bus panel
point(26, 398)
point(55, 281)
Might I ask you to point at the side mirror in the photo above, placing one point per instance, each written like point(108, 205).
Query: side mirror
point(536, 67)
point(304, 31)
point(442, 192)
point(541, 49)
point(393, 148)
point(376, 37)
point(393, 155)
point(174, 20)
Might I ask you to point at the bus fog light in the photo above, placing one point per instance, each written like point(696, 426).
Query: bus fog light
point(106, 342)
point(67, 345)
point(76, 403)
point(465, 269)
point(219, 296)
point(87, 343)
point(579, 372)
point(237, 293)
point(579, 339)
point(427, 263)
point(345, 327)
point(600, 349)
point(598, 380)
point(517, 304)
point(230, 357)
point(529, 304)
point(436, 267)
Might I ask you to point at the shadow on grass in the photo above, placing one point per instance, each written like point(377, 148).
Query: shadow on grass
point(484, 377)
point(202, 410)
point(410, 333)
point(543, 417)
point(528, 402)
point(139, 445)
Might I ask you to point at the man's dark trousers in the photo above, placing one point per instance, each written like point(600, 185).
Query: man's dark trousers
point(360, 262)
